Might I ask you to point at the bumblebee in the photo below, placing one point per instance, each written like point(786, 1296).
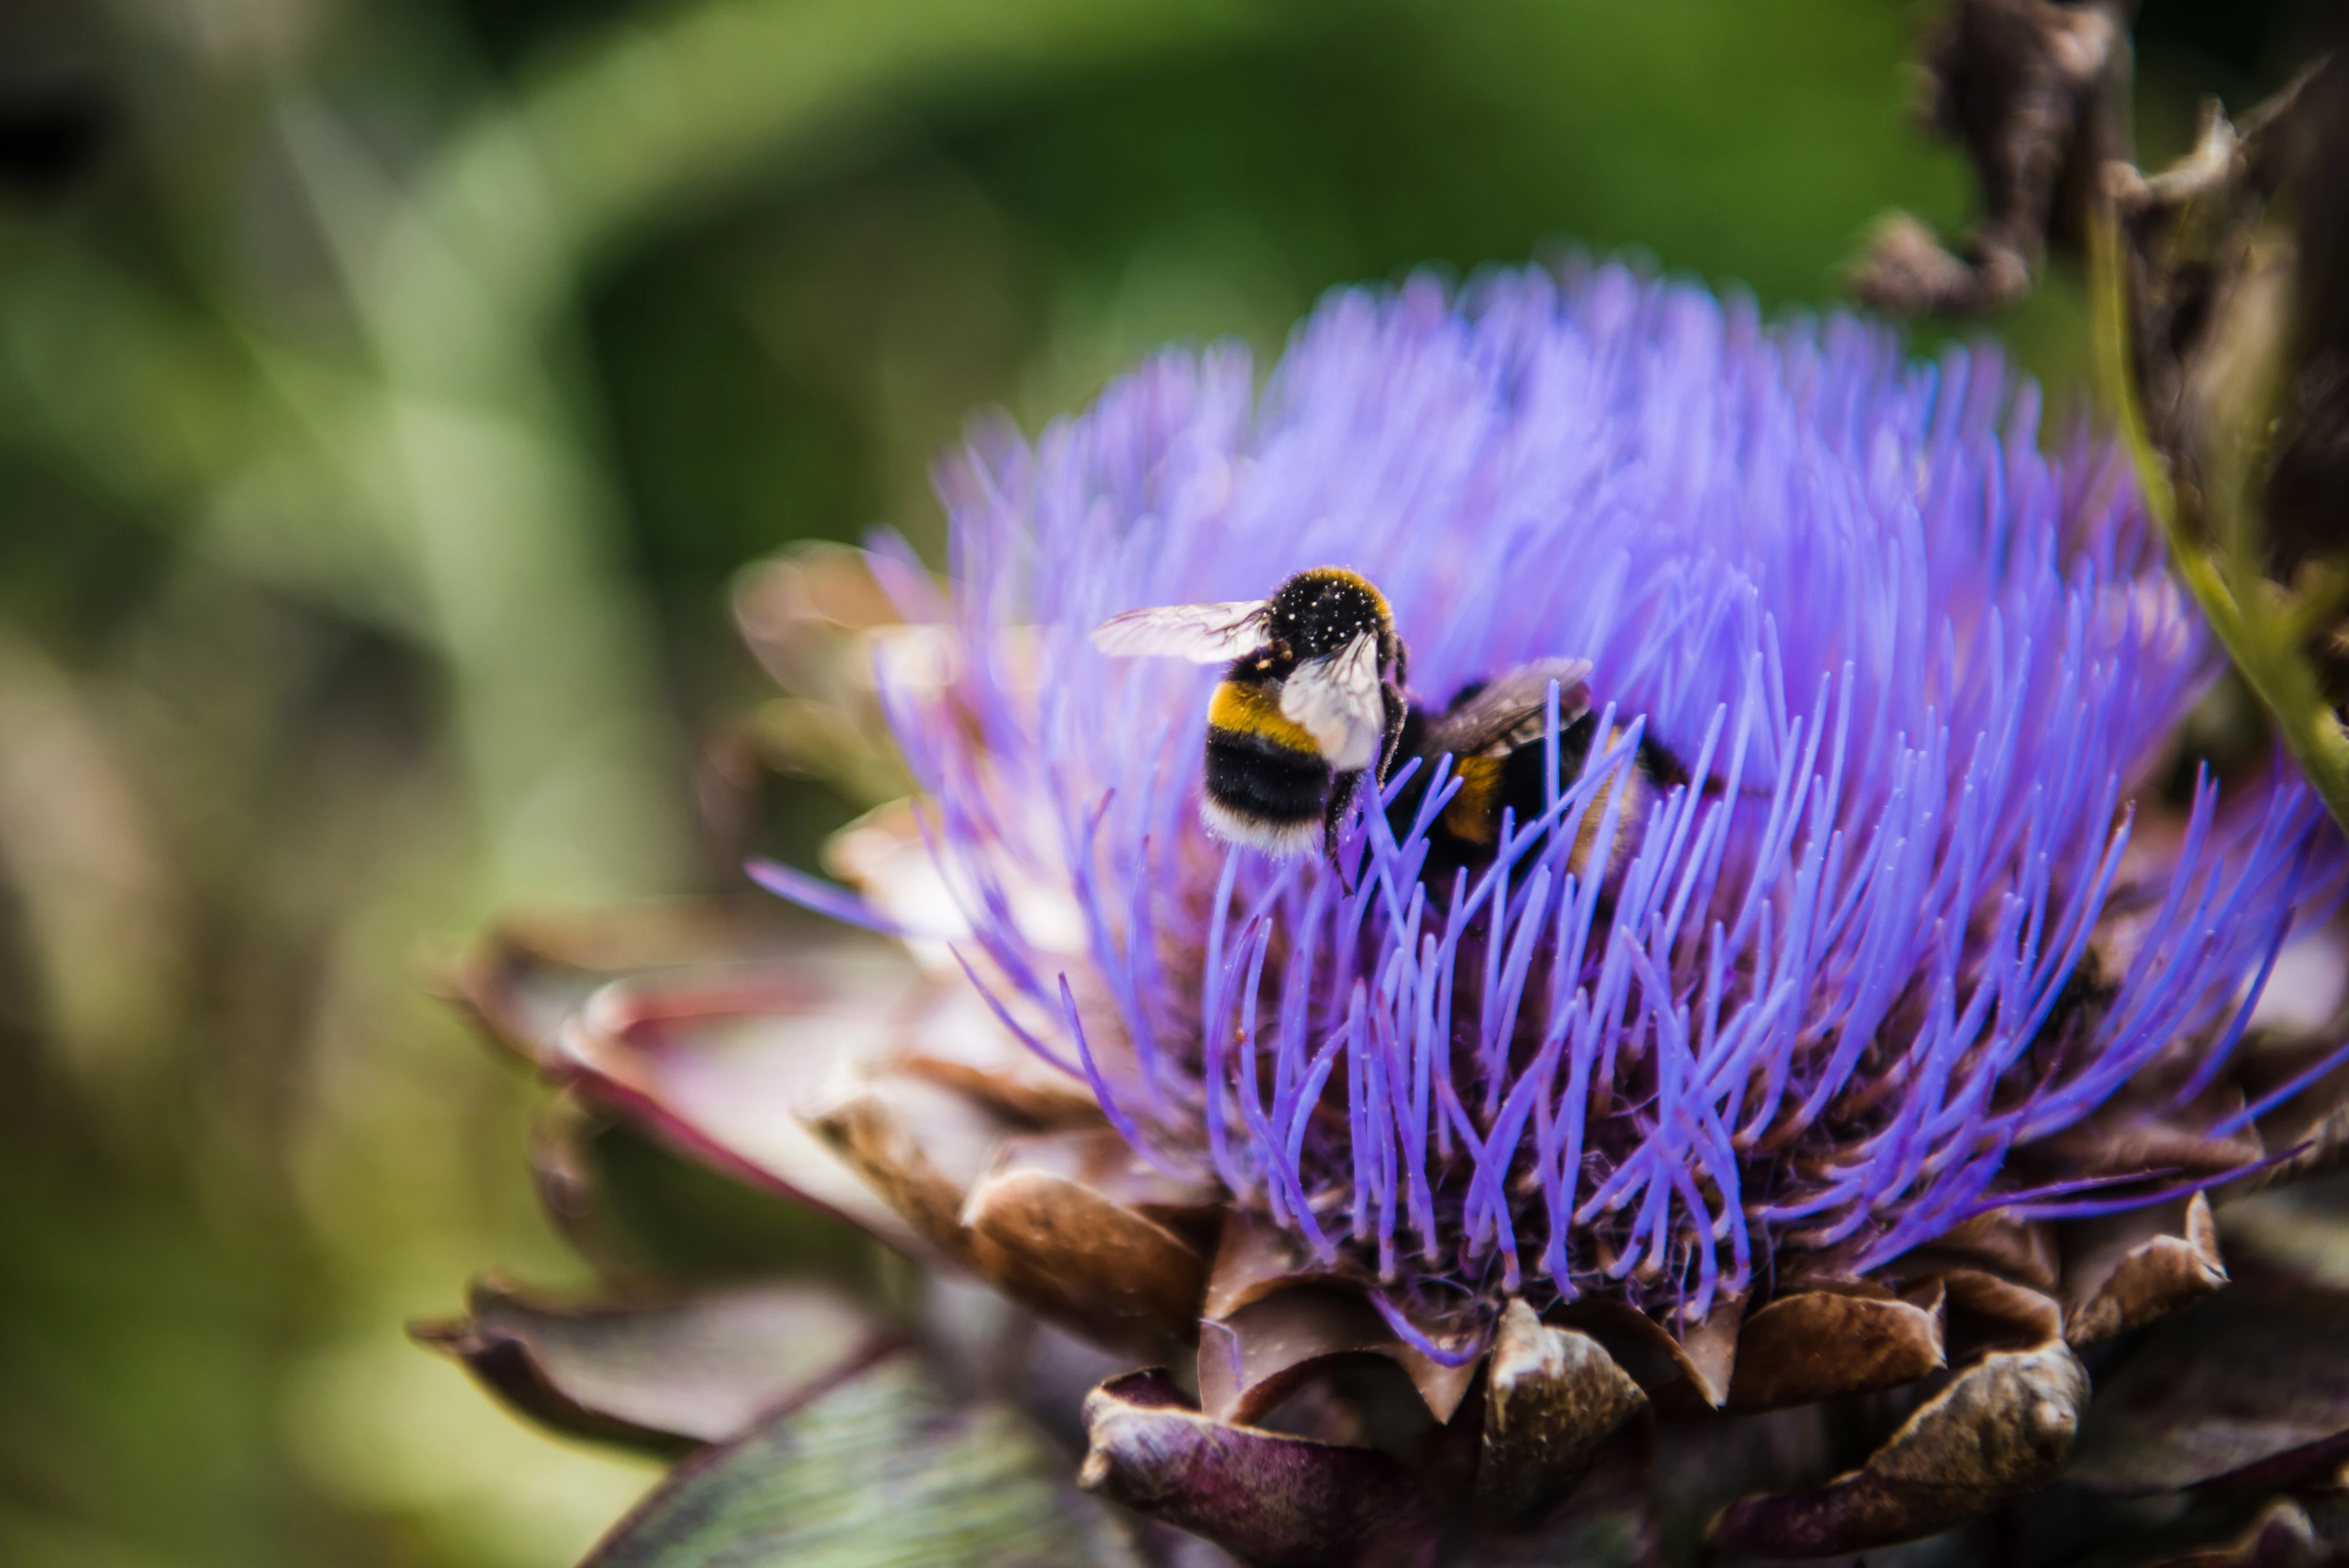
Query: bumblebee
point(1495, 732)
point(1312, 702)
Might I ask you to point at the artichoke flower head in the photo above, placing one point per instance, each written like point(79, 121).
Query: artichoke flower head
point(1843, 1018)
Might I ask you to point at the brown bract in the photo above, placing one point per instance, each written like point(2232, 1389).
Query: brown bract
point(2127, 1270)
point(852, 1081)
point(947, 1035)
point(524, 980)
point(816, 619)
point(1256, 1357)
point(1552, 1397)
point(1692, 1367)
point(1986, 1311)
point(2231, 261)
point(917, 1146)
point(2000, 1427)
point(846, 1081)
point(1254, 1258)
point(1825, 1342)
point(2231, 267)
point(1080, 1258)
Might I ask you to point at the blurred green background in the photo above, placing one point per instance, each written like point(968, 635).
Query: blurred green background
point(389, 390)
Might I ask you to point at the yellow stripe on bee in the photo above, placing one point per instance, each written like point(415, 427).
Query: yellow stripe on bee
point(1474, 815)
point(1247, 709)
point(1351, 579)
point(1639, 791)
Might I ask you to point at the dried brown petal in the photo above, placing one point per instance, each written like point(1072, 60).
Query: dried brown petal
point(1999, 1429)
point(1708, 1349)
point(1821, 1343)
point(701, 1370)
point(822, 624)
point(2250, 1386)
point(1908, 269)
point(648, 1220)
point(917, 1146)
point(1098, 1266)
point(1551, 1397)
point(2126, 1270)
point(1280, 1502)
point(1254, 1259)
point(519, 997)
point(1702, 1354)
point(1102, 1159)
point(1985, 1310)
point(1253, 1358)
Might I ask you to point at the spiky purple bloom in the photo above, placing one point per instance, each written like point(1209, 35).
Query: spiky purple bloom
point(1919, 669)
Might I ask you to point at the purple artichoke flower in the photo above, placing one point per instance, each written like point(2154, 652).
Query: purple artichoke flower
point(1895, 930)
point(1844, 1014)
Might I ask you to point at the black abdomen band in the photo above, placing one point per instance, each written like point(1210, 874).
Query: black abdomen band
point(1258, 778)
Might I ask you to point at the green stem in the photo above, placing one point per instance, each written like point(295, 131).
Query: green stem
point(2255, 620)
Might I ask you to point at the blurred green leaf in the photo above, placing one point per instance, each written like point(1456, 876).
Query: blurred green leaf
point(883, 1470)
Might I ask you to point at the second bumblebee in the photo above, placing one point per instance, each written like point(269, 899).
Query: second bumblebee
point(1313, 703)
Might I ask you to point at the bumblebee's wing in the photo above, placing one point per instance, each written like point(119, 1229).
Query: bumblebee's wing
point(1204, 634)
point(1337, 697)
point(1502, 711)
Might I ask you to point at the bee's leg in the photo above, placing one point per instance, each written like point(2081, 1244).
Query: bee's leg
point(1398, 710)
point(1343, 791)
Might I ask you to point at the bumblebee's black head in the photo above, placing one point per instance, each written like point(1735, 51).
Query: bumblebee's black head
point(1319, 612)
